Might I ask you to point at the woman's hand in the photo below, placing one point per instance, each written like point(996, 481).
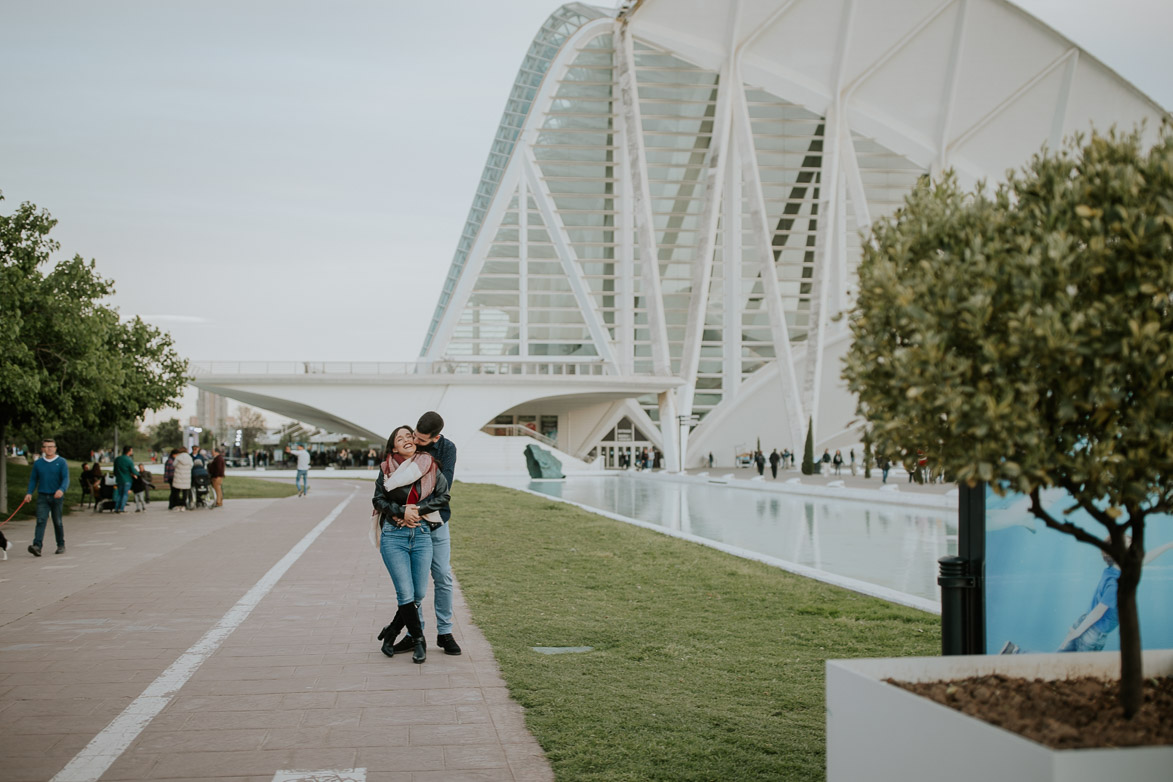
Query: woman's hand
point(411, 515)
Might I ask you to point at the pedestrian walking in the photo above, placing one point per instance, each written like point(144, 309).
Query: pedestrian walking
point(49, 479)
point(302, 481)
point(180, 480)
point(838, 462)
point(775, 457)
point(216, 471)
point(760, 461)
point(853, 462)
point(124, 470)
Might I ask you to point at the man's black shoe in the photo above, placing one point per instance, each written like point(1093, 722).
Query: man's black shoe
point(448, 644)
point(35, 551)
point(60, 550)
point(406, 644)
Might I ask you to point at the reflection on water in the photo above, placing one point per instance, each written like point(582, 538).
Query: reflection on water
point(890, 545)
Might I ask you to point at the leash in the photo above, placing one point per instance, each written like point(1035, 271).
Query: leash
point(18, 507)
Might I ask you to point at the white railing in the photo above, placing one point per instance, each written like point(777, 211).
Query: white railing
point(475, 366)
point(514, 430)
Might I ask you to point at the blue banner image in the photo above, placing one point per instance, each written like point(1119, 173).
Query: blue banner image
point(1047, 591)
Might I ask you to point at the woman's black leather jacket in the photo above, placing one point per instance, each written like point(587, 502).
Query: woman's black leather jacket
point(390, 504)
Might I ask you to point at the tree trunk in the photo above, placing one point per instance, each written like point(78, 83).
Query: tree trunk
point(1131, 668)
point(4, 468)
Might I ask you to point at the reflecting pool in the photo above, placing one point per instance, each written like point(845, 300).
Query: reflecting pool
point(892, 546)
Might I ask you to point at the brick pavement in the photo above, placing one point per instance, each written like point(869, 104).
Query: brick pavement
point(301, 684)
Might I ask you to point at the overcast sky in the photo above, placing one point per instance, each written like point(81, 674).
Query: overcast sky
point(287, 180)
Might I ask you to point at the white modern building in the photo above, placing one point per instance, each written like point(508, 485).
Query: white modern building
point(666, 231)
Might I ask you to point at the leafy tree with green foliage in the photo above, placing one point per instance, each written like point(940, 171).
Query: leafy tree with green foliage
point(1026, 337)
point(166, 435)
point(809, 466)
point(66, 359)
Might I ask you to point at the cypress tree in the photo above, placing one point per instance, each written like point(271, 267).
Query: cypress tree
point(808, 451)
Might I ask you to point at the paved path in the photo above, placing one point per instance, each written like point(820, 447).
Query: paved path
point(300, 684)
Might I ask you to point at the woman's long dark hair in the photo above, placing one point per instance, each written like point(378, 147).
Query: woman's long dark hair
point(391, 440)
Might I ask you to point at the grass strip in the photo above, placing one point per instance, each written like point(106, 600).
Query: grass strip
point(705, 666)
point(236, 487)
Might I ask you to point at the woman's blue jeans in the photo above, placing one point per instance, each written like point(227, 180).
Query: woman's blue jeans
point(407, 553)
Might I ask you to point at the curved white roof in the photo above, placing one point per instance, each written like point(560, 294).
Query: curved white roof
point(973, 84)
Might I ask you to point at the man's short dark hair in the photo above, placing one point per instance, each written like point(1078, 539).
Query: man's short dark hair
point(126, 449)
point(48, 440)
point(430, 424)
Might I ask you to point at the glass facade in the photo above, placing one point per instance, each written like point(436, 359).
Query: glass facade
point(524, 303)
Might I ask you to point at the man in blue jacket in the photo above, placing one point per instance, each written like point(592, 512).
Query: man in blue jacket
point(429, 440)
point(49, 479)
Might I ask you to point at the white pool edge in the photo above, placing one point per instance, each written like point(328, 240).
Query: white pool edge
point(855, 585)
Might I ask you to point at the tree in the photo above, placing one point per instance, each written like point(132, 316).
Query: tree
point(1026, 338)
point(166, 435)
point(66, 359)
point(869, 459)
point(251, 424)
point(808, 450)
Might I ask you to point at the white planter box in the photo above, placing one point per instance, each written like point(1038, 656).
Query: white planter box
point(878, 732)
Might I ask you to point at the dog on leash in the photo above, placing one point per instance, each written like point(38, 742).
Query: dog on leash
point(5, 544)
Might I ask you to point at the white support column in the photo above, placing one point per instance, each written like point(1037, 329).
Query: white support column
point(561, 240)
point(625, 245)
point(941, 162)
point(522, 268)
point(670, 431)
point(829, 240)
point(649, 255)
point(853, 179)
point(702, 266)
point(731, 273)
point(763, 234)
point(1059, 121)
point(841, 280)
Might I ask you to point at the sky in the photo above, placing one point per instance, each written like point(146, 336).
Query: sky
point(287, 180)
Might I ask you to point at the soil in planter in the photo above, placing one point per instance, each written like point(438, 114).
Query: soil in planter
point(1074, 713)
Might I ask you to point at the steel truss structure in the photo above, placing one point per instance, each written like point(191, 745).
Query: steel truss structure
point(680, 189)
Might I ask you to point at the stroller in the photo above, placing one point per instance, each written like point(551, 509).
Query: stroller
point(105, 498)
point(201, 494)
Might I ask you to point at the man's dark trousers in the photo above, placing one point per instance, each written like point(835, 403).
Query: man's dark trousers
point(48, 504)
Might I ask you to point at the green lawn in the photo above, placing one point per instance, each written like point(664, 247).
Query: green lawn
point(705, 666)
point(238, 487)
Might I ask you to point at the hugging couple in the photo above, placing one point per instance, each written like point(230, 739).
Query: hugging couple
point(411, 530)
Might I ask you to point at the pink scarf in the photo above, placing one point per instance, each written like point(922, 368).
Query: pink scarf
point(427, 467)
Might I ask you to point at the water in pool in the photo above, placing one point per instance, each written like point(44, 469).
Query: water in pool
point(889, 545)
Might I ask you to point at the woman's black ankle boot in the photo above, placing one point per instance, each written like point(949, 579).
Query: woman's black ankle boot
point(412, 618)
point(387, 635)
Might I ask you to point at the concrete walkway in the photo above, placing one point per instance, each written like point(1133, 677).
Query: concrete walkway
point(295, 688)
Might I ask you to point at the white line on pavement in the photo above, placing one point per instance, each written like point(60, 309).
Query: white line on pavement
point(329, 775)
point(105, 748)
